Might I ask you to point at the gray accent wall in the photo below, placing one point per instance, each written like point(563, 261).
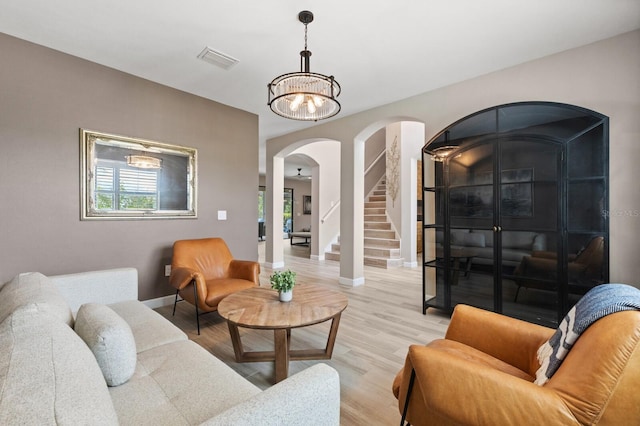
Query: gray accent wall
point(45, 98)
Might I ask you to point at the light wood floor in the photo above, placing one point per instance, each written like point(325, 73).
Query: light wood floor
point(383, 318)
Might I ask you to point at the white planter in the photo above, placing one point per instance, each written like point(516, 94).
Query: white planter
point(286, 296)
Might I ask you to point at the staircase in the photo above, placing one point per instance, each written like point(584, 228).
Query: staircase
point(381, 247)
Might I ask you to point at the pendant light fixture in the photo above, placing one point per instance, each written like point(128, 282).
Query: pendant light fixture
point(304, 95)
point(144, 162)
point(441, 153)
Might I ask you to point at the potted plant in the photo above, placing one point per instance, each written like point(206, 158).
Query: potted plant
point(283, 281)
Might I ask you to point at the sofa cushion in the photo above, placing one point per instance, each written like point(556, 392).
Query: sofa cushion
point(110, 339)
point(488, 236)
point(48, 375)
point(179, 383)
point(521, 240)
point(474, 239)
point(104, 286)
point(150, 329)
point(539, 242)
point(457, 236)
point(33, 288)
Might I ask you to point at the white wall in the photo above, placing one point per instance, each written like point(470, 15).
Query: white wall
point(402, 212)
point(394, 207)
point(372, 149)
point(412, 142)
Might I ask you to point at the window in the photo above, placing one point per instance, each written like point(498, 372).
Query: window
point(120, 187)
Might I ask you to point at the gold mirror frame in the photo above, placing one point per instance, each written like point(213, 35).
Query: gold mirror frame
point(132, 178)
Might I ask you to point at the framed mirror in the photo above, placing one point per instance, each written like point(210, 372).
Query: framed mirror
point(131, 178)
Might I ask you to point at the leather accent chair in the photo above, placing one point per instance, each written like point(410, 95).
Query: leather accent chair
point(539, 270)
point(482, 373)
point(203, 272)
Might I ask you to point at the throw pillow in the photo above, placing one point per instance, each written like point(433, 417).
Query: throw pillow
point(35, 289)
point(110, 339)
point(457, 236)
point(474, 240)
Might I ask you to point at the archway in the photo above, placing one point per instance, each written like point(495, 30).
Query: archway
point(353, 188)
point(323, 153)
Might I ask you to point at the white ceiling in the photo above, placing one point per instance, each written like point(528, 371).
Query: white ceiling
point(378, 51)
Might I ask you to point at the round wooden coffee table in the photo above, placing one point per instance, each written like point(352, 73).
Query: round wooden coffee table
point(260, 308)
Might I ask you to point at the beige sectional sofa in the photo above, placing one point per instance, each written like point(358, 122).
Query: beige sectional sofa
point(63, 338)
point(515, 244)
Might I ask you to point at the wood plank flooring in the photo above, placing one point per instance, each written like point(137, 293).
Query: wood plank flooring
point(383, 318)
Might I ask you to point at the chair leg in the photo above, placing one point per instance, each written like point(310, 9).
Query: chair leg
point(175, 302)
point(515, 299)
point(195, 296)
point(406, 401)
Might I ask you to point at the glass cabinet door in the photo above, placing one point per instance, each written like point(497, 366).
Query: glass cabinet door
point(471, 219)
point(529, 229)
point(587, 254)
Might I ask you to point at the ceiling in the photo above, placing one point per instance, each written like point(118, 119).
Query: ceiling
point(379, 52)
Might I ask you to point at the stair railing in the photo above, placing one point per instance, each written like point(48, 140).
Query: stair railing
point(330, 211)
point(374, 162)
point(335, 206)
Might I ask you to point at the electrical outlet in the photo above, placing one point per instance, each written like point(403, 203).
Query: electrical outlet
point(167, 270)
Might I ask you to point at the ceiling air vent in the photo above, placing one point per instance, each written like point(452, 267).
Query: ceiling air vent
point(217, 58)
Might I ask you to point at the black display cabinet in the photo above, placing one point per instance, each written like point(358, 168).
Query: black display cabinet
point(515, 210)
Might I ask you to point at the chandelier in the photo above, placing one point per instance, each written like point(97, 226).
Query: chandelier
point(442, 153)
point(304, 95)
point(144, 162)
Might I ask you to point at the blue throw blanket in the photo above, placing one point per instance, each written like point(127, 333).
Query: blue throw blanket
point(600, 301)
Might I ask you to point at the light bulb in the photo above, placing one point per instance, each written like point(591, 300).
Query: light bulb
point(311, 107)
point(297, 101)
point(318, 101)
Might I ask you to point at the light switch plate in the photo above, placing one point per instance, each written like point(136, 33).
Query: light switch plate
point(222, 215)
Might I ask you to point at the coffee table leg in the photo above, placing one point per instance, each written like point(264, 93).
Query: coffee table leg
point(281, 337)
point(237, 343)
point(333, 332)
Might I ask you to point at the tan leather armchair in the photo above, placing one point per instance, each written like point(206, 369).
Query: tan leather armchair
point(203, 272)
point(482, 373)
point(539, 270)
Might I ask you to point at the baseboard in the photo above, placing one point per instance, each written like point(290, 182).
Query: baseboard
point(316, 257)
point(275, 265)
point(159, 302)
point(410, 264)
point(352, 282)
